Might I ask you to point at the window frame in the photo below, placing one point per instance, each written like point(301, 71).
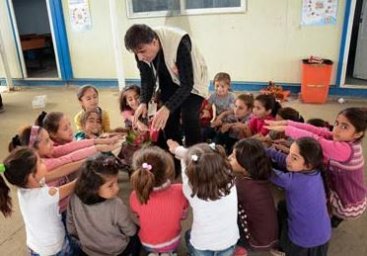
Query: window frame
point(183, 11)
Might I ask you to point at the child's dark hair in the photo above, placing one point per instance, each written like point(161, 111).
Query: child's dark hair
point(209, 171)
point(18, 165)
point(123, 102)
point(318, 122)
point(93, 175)
point(357, 117)
point(247, 98)
point(50, 121)
point(152, 168)
point(23, 138)
point(84, 116)
point(269, 102)
point(222, 76)
point(311, 151)
point(288, 113)
point(81, 91)
point(251, 155)
point(137, 35)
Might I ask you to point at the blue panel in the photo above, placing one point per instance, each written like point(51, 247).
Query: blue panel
point(58, 23)
point(348, 4)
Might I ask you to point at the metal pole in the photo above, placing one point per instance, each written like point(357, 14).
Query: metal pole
point(117, 45)
point(4, 60)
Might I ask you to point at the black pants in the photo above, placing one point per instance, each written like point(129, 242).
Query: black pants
point(183, 122)
point(287, 245)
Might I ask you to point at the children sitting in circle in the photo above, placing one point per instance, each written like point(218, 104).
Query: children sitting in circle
point(97, 217)
point(159, 205)
point(88, 99)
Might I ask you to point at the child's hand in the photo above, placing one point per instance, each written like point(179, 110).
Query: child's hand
point(216, 123)
point(111, 140)
point(106, 147)
point(225, 127)
point(172, 145)
point(276, 123)
point(141, 127)
point(277, 128)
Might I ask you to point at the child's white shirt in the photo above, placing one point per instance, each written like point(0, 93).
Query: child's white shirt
point(214, 224)
point(44, 228)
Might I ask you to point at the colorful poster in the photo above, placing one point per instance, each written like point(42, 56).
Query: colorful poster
point(79, 15)
point(319, 12)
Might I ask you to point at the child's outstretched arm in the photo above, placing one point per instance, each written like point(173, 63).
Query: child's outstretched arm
point(176, 149)
point(277, 157)
point(335, 150)
point(63, 170)
point(64, 190)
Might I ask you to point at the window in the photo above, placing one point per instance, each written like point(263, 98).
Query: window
point(155, 8)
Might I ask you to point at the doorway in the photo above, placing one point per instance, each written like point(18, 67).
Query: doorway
point(356, 72)
point(34, 36)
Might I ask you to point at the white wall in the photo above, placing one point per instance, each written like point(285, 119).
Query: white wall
point(9, 43)
point(265, 43)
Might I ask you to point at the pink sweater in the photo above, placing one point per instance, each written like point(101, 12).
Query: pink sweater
point(160, 218)
point(348, 192)
point(256, 125)
point(64, 154)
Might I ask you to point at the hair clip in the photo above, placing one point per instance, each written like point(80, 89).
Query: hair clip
point(212, 146)
point(2, 168)
point(146, 166)
point(194, 158)
point(33, 136)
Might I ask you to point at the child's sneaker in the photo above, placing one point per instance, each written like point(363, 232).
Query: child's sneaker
point(240, 251)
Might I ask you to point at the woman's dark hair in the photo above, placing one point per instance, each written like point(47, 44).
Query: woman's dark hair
point(123, 102)
point(137, 35)
point(51, 122)
point(81, 91)
point(93, 175)
point(311, 151)
point(209, 171)
point(247, 98)
point(22, 138)
point(19, 164)
point(269, 102)
point(251, 155)
point(84, 116)
point(288, 113)
point(357, 117)
point(144, 180)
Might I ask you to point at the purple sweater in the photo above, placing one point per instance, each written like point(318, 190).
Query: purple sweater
point(308, 218)
point(348, 192)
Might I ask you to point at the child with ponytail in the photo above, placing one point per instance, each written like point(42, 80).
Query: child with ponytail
point(159, 205)
point(38, 203)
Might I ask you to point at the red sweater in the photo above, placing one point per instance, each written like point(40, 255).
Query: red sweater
point(160, 217)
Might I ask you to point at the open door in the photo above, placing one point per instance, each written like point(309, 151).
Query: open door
point(360, 64)
point(34, 36)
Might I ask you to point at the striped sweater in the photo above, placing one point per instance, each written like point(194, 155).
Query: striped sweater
point(348, 191)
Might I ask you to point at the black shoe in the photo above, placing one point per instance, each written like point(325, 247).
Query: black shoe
point(335, 221)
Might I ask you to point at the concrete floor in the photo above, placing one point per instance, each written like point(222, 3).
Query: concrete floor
point(349, 239)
